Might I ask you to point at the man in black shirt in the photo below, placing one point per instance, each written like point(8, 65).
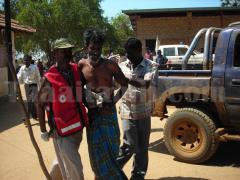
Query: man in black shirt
point(160, 58)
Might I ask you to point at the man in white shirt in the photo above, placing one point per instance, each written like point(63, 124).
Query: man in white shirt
point(29, 76)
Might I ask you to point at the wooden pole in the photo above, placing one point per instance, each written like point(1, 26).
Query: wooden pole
point(8, 41)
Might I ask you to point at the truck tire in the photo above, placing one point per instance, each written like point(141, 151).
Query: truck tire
point(189, 135)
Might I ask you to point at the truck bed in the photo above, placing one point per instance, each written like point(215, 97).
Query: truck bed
point(184, 82)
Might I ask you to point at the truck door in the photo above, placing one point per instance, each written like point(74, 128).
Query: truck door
point(232, 78)
point(181, 52)
point(171, 54)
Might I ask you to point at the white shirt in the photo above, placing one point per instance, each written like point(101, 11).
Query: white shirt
point(29, 75)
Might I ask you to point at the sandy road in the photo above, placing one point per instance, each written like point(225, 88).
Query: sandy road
point(18, 160)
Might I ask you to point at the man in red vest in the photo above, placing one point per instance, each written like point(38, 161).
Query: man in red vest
point(61, 96)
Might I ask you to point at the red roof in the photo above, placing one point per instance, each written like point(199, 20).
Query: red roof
point(16, 26)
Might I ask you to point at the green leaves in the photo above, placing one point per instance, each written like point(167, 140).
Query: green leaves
point(56, 18)
point(230, 3)
point(122, 30)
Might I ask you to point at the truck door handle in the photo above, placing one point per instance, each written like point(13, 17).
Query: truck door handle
point(235, 82)
point(180, 58)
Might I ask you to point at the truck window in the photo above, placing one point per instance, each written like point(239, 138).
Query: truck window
point(182, 51)
point(236, 61)
point(169, 51)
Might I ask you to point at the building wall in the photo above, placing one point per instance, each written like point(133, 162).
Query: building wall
point(3, 72)
point(175, 30)
point(4, 85)
point(3, 82)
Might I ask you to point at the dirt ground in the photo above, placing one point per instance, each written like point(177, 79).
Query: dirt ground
point(18, 159)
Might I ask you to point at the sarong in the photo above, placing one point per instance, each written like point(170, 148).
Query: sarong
point(103, 138)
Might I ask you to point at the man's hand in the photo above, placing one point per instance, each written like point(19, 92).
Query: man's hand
point(45, 136)
point(149, 76)
point(140, 83)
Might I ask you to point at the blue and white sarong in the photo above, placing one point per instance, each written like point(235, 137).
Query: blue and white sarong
point(103, 138)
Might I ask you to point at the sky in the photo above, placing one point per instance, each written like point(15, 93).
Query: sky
point(112, 7)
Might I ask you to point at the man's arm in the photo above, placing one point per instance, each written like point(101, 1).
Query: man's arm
point(20, 75)
point(119, 93)
point(154, 81)
point(83, 81)
point(124, 81)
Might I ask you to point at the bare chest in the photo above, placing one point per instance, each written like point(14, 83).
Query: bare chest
point(98, 78)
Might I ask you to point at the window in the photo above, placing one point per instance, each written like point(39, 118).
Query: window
point(182, 51)
point(236, 60)
point(169, 51)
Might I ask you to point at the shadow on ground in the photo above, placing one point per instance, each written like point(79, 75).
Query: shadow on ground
point(158, 147)
point(10, 115)
point(227, 153)
point(178, 178)
point(156, 130)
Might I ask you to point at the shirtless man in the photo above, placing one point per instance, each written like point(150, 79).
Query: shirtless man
point(103, 135)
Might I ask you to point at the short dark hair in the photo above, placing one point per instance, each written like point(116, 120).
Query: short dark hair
point(133, 44)
point(27, 57)
point(93, 35)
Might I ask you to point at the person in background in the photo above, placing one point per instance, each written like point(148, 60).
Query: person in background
point(17, 66)
point(78, 55)
point(148, 54)
point(136, 109)
point(32, 62)
point(29, 76)
point(123, 57)
point(40, 67)
point(161, 60)
point(110, 53)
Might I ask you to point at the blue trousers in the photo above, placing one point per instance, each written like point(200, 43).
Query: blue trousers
point(136, 140)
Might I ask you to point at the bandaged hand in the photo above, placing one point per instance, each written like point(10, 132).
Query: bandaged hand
point(148, 76)
point(45, 136)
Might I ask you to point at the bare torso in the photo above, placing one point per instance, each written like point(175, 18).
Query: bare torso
point(99, 79)
point(99, 76)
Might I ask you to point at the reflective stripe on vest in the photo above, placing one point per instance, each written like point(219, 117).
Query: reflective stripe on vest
point(72, 126)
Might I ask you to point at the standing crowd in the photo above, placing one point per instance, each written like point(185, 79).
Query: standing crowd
point(84, 94)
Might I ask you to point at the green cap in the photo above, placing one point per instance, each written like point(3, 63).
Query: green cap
point(62, 43)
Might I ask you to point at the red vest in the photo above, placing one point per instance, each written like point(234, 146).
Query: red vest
point(65, 112)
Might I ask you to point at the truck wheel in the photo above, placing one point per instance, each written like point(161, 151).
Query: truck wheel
point(189, 135)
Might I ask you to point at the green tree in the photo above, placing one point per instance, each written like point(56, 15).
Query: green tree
point(230, 3)
point(122, 29)
point(57, 18)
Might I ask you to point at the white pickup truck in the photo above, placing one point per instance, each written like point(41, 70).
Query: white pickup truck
point(175, 54)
